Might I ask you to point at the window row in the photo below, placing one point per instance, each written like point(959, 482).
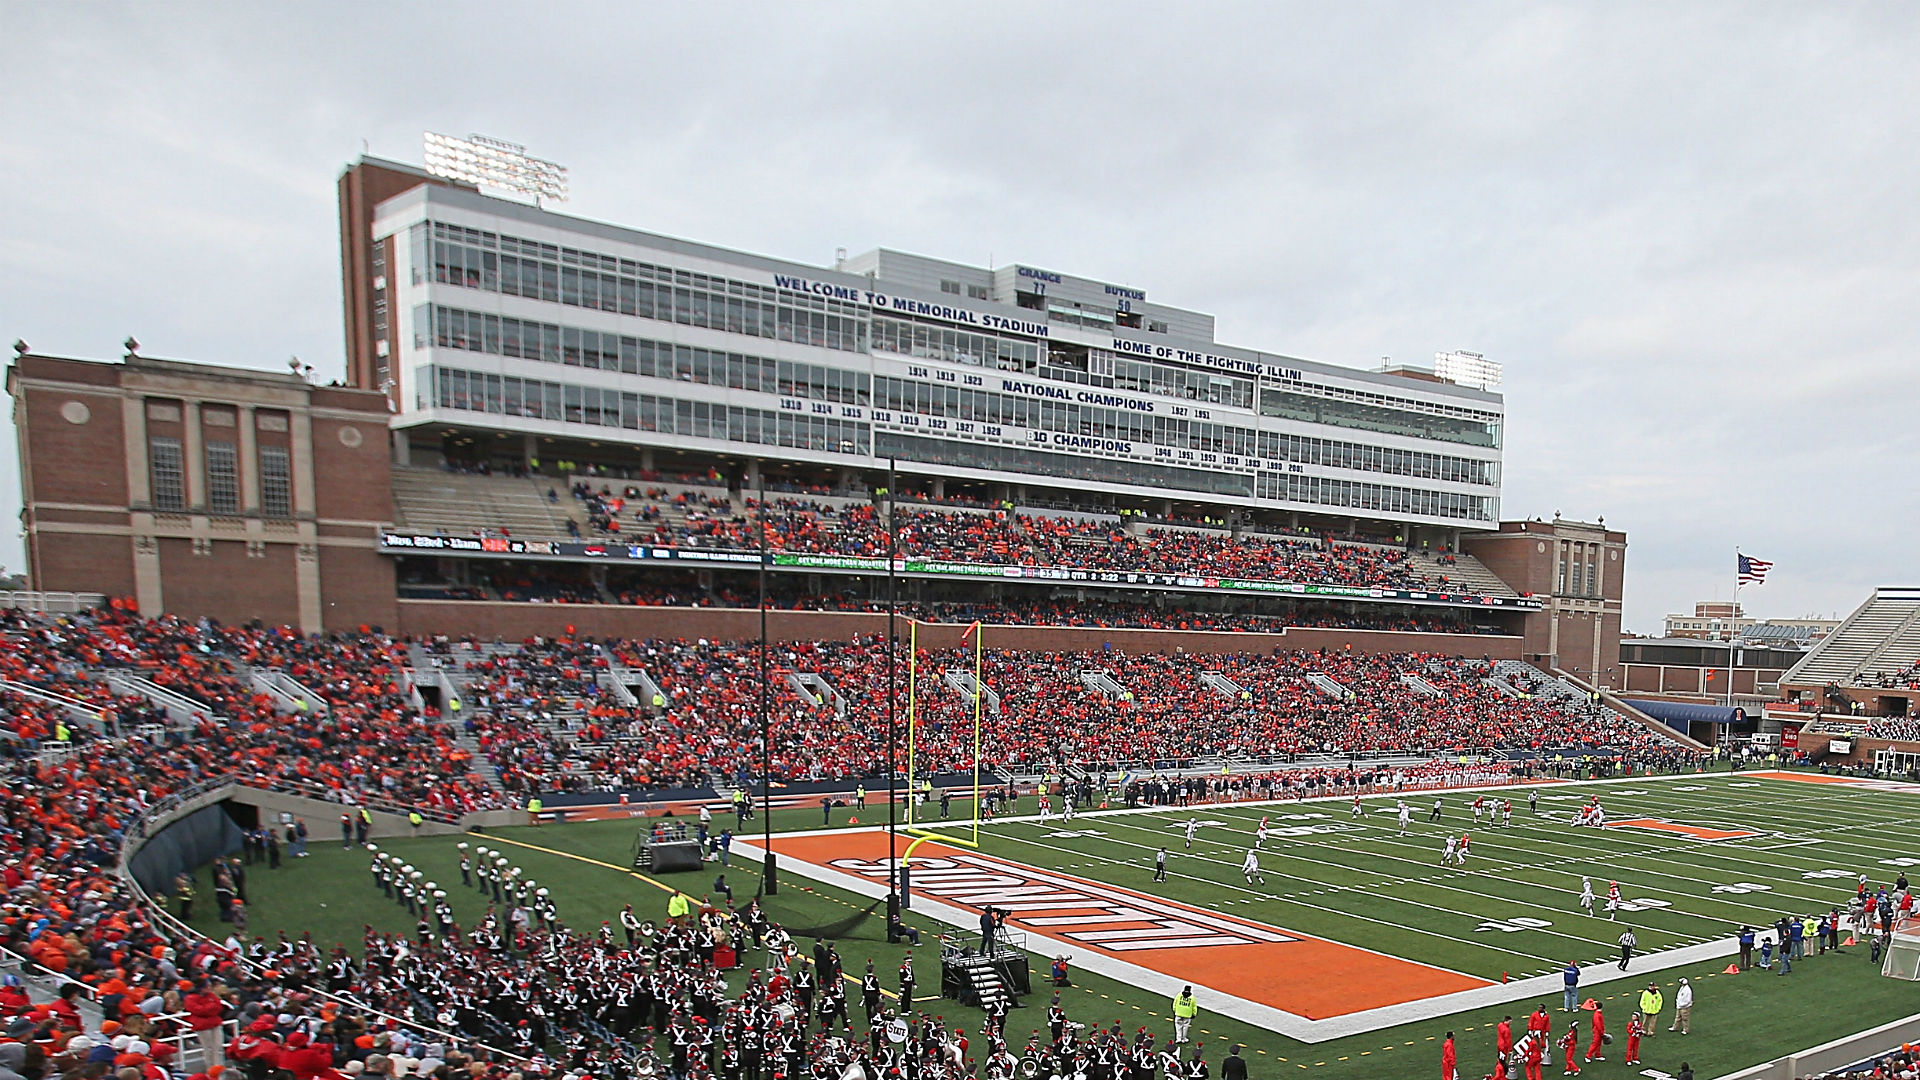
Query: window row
point(634, 288)
point(498, 335)
point(1382, 498)
point(1185, 383)
point(930, 342)
point(1345, 455)
point(1386, 421)
point(505, 395)
point(1020, 459)
point(986, 406)
point(167, 477)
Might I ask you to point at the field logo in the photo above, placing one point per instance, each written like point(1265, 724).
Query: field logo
point(1513, 925)
point(1100, 916)
point(1675, 828)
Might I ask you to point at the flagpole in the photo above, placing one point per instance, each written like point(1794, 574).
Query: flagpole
point(913, 657)
point(1732, 615)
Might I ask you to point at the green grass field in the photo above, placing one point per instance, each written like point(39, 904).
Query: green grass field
point(1362, 884)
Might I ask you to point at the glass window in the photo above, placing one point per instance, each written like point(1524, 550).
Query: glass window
point(276, 482)
point(167, 473)
point(223, 478)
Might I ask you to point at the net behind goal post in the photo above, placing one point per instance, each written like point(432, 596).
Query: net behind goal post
point(1903, 952)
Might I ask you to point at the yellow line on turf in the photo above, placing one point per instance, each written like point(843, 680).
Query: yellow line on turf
point(848, 976)
point(630, 872)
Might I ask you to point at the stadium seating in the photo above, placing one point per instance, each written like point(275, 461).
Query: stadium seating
point(469, 504)
point(1883, 633)
point(706, 516)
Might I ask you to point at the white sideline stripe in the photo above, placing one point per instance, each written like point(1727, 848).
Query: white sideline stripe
point(1299, 1028)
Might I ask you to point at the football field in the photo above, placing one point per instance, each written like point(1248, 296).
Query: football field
point(1353, 957)
point(1350, 924)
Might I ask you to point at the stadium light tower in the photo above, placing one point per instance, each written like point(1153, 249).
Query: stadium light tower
point(1464, 368)
point(497, 164)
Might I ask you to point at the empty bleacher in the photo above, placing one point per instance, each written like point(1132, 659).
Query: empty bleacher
point(1464, 574)
point(1868, 636)
point(462, 504)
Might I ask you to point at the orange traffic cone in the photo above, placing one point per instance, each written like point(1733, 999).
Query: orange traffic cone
point(852, 820)
point(1503, 976)
point(1849, 941)
point(1732, 969)
point(1589, 1004)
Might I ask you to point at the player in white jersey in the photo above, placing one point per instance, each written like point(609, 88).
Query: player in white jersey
point(1260, 834)
point(1251, 867)
point(1453, 850)
point(1066, 807)
point(1406, 816)
point(1586, 895)
point(1193, 827)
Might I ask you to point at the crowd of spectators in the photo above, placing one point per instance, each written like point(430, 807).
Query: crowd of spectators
point(1041, 708)
point(565, 584)
point(554, 1000)
point(996, 537)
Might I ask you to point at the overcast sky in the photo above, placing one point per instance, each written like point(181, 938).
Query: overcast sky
point(1688, 231)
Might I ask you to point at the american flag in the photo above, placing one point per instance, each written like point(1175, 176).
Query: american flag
point(1753, 571)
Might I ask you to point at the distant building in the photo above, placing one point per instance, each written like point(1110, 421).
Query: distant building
point(1717, 620)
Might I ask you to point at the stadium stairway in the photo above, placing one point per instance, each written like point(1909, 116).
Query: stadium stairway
point(1327, 686)
point(1546, 685)
point(1421, 686)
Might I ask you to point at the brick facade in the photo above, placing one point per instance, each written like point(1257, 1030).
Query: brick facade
point(205, 538)
point(1578, 629)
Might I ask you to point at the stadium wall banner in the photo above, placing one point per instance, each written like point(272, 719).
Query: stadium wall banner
point(501, 546)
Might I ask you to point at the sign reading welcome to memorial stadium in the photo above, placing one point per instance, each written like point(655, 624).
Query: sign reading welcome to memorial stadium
point(399, 543)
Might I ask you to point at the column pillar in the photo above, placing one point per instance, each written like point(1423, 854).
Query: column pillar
point(249, 463)
point(192, 448)
point(306, 563)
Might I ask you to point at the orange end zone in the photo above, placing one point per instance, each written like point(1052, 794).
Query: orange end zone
point(1806, 778)
point(1305, 976)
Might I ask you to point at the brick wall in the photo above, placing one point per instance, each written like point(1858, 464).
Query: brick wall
point(229, 584)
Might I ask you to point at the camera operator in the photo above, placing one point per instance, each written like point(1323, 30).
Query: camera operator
point(992, 919)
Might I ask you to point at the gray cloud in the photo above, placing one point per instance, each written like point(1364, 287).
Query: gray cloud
point(1688, 232)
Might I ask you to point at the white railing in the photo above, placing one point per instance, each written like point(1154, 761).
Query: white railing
point(51, 603)
point(178, 705)
point(82, 711)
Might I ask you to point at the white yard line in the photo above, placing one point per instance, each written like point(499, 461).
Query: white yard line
point(1542, 987)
